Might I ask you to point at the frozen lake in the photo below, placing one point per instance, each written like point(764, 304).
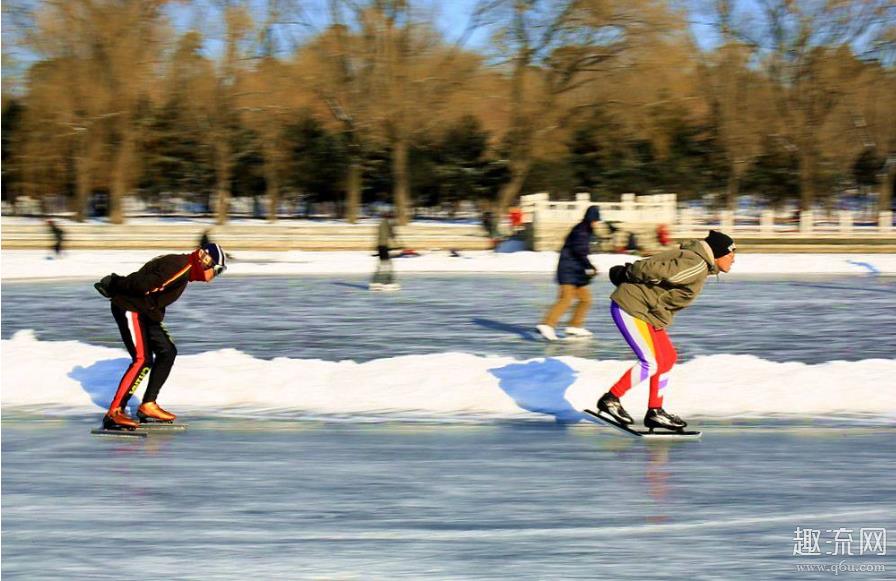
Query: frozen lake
point(306, 500)
point(334, 317)
point(425, 434)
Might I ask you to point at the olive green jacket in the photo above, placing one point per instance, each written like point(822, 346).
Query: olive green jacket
point(385, 234)
point(665, 283)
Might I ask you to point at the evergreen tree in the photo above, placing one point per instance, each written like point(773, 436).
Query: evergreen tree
point(867, 168)
point(317, 160)
point(774, 175)
point(13, 111)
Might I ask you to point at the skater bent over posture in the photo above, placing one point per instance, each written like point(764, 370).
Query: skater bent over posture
point(138, 306)
point(650, 292)
point(574, 274)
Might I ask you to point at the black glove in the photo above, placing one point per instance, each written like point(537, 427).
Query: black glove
point(104, 286)
point(619, 274)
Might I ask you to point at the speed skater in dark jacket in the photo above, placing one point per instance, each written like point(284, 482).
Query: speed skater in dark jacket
point(138, 306)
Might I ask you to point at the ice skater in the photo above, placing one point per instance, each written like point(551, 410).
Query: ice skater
point(574, 274)
point(384, 277)
point(58, 237)
point(138, 306)
point(648, 295)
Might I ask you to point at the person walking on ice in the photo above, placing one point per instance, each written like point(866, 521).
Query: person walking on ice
point(648, 295)
point(384, 277)
point(58, 237)
point(574, 274)
point(138, 306)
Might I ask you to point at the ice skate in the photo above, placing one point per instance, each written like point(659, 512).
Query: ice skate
point(547, 332)
point(578, 332)
point(610, 405)
point(660, 418)
point(384, 279)
point(151, 412)
point(117, 419)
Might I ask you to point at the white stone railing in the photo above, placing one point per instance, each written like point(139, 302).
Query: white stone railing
point(769, 222)
point(662, 209)
point(655, 209)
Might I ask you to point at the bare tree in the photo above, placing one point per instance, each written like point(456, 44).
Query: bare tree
point(732, 88)
point(390, 80)
point(797, 44)
point(103, 53)
point(338, 77)
point(559, 48)
point(873, 117)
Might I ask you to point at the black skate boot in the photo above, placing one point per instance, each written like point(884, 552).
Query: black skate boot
point(610, 405)
point(660, 418)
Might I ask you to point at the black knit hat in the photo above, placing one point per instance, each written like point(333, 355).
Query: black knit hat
point(721, 244)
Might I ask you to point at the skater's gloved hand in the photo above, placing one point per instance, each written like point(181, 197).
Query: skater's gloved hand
point(619, 274)
point(104, 286)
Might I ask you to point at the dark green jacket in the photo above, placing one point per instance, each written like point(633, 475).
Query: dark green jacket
point(665, 283)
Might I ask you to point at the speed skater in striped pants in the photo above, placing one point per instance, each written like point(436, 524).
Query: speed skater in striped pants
point(654, 351)
point(648, 295)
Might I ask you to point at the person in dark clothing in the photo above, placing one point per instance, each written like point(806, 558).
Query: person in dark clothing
point(58, 237)
point(632, 247)
point(574, 274)
point(138, 306)
point(488, 223)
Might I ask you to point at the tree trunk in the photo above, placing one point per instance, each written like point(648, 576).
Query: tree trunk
point(400, 189)
point(82, 186)
point(353, 191)
point(510, 190)
point(120, 177)
point(807, 181)
point(520, 127)
point(223, 181)
point(272, 182)
point(733, 188)
point(885, 199)
point(83, 177)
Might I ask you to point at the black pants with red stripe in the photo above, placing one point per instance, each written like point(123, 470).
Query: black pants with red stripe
point(152, 351)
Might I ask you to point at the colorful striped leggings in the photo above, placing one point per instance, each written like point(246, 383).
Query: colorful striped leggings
point(655, 353)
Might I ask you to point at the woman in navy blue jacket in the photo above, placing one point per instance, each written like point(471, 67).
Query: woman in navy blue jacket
point(574, 273)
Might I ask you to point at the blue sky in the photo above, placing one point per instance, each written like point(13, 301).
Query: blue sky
point(452, 18)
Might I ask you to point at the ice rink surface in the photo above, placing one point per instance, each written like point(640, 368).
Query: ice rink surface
point(341, 434)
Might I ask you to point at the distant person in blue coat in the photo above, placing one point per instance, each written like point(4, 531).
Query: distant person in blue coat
point(574, 274)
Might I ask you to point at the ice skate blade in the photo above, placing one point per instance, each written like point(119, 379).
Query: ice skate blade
point(644, 434)
point(119, 433)
point(162, 426)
